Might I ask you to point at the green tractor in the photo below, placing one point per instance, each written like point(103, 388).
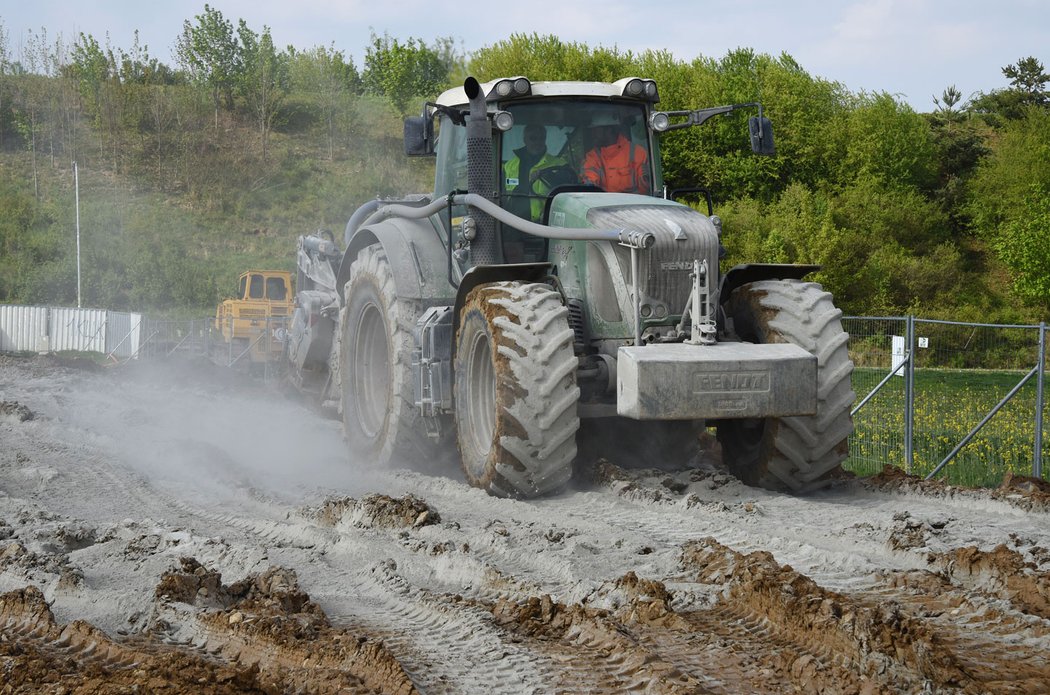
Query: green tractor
point(537, 289)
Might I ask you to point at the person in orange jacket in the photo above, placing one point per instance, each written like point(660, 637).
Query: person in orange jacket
point(615, 164)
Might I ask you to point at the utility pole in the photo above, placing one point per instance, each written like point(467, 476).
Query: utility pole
point(76, 188)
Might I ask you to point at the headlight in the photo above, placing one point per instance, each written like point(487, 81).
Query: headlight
point(503, 120)
point(659, 121)
point(469, 230)
point(512, 87)
point(641, 89)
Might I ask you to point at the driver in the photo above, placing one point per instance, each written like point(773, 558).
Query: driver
point(528, 175)
point(614, 163)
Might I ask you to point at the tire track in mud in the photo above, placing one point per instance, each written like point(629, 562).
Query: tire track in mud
point(660, 508)
point(893, 645)
point(269, 651)
point(442, 643)
point(771, 629)
point(990, 608)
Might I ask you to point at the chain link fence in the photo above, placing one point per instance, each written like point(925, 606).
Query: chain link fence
point(963, 401)
point(259, 352)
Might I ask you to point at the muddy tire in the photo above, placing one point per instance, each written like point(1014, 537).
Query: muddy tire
point(803, 453)
point(377, 399)
point(515, 389)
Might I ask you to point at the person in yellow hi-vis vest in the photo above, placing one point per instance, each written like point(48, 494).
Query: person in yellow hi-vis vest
point(526, 177)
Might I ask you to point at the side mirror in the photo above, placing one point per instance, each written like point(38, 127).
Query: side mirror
point(761, 135)
point(419, 136)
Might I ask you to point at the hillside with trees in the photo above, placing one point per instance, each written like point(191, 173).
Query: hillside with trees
point(192, 172)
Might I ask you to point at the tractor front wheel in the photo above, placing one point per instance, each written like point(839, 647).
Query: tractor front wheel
point(515, 389)
point(799, 453)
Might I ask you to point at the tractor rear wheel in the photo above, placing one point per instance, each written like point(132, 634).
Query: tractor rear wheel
point(515, 389)
point(380, 418)
point(800, 453)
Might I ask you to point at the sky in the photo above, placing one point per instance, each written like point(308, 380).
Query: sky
point(913, 49)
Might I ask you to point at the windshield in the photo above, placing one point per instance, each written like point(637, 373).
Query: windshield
point(572, 142)
point(555, 144)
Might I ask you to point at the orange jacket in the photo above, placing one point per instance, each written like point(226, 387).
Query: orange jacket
point(618, 168)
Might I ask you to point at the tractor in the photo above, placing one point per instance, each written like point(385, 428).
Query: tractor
point(517, 322)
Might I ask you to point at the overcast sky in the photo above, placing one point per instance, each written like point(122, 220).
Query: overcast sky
point(911, 48)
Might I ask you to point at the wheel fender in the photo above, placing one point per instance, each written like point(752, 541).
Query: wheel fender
point(416, 255)
point(740, 275)
point(481, 274)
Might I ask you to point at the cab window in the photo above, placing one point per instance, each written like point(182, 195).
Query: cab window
point(255, 287)
point(275, 289)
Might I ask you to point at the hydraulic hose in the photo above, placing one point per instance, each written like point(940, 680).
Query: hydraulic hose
point(362, 213)
point(627, 237)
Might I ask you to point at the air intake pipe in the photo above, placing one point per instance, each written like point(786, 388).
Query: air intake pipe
point(484, 249)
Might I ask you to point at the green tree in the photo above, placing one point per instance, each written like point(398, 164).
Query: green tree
point(885, 139)
point(946, 104)
point(1029, 77)
point(1027, 89)
point(402, 71)
point(263, 78)
point(805, 112)
point(5, 71)
point(90, 68)
point(453, 56)
point(208, 51)
point(1024, 247)
point(547, 57)
point(1002, 183)
point(331, 80)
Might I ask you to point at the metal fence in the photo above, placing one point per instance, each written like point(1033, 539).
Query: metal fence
point(939, 398)
point(204, 338)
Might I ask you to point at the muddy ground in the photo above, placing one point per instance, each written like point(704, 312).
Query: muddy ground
point(171, 528)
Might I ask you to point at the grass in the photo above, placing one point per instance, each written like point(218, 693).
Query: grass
point(948, 404)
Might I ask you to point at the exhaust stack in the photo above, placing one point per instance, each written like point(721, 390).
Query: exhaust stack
point(484, 249)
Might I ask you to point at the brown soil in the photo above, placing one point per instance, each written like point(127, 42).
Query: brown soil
point(1024, 492)
point(379, 511)
point(261, 634)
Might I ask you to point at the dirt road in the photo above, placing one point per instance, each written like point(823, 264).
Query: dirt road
point(168, 528)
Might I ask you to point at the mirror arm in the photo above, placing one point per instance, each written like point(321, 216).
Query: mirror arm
point(457, 116)
point(700, 116)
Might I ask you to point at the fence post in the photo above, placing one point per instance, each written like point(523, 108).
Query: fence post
point(909, 393)
point(1037, 457)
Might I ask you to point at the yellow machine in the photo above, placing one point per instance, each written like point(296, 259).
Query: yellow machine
point(252, 325)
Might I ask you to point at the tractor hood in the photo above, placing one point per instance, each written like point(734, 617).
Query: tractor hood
point(683, 235)
point(627, 210)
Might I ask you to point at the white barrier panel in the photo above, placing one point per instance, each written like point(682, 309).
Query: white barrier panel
point(83, 330)
point(122, 334)
point(24, 329)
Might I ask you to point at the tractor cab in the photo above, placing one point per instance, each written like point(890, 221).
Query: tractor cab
point(547, 138)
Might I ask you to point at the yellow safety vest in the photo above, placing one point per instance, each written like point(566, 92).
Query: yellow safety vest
point(540, 189)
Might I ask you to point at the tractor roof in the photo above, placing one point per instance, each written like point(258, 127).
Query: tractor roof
point(457, 96)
